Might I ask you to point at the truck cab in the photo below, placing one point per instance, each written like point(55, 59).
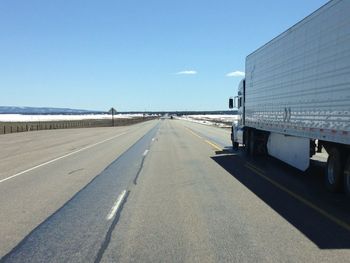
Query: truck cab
point(238, 126)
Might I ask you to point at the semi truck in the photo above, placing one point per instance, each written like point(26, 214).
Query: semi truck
point(295, 98)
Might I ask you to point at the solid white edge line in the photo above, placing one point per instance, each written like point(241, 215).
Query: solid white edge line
point(116, 205)
point(145, 153)
point(59, 158)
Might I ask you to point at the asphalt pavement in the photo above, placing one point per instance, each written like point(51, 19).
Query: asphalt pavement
point(161, 191)
point(56, 165)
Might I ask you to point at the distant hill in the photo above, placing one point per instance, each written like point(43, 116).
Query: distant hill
point(43, 110)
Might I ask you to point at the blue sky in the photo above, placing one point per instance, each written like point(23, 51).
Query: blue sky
point(129, 54)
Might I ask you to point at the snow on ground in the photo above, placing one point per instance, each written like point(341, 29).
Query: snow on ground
point(214, 119)
point(31, 118)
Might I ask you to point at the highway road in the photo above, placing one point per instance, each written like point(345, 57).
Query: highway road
point(161, 191)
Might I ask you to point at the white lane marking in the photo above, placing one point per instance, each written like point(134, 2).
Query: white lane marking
point(145, 153)
point(116, 205)
point(59, 158)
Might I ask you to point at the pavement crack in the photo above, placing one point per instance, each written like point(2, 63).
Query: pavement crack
point(77, 170)
point(140, 169)
point(108, 236)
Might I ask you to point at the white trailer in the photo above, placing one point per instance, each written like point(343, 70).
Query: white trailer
point(295, 98)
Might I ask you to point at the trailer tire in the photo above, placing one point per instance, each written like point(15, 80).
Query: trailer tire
point(347, 177)
point(334, 171)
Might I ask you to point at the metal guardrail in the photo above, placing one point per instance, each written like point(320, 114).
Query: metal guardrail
point(13, 127)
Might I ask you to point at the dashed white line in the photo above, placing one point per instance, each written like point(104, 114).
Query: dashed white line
point(116, 205)
point(59, 158)
point(145, 152)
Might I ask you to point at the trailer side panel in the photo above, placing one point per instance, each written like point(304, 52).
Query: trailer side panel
point(299, 83)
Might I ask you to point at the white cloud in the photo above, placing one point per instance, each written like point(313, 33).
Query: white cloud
point(236, 73)
point(187, 72)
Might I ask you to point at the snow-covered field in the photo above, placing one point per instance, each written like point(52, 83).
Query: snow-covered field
point(32, 118)
point(217, 120)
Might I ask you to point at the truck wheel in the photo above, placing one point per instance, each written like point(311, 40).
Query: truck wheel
point(347, 176)
point(334, 173)
point(235, 146)
point(246, 143)
point(252, 144)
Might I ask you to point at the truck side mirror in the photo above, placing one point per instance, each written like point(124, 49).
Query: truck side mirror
point(230, 103)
